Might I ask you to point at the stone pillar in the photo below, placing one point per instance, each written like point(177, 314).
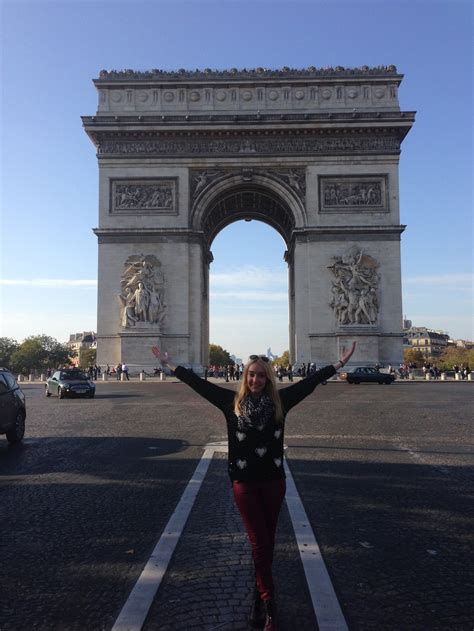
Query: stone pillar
point(105, 376)
point(443, 376)
point(142, 376)
point(31, 378)
point(162, 376)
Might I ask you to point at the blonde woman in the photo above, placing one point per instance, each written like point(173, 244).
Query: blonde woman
point(255, 418)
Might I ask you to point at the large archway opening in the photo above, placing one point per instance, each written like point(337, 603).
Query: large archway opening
point(248, 222)
point(248, 290)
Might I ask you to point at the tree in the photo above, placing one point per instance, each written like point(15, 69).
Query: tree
point(413, 356)
point(7, 347)
point(284, 360)
point(88, 357)
point(39, 352)
point(218, 356)
point(454, 355)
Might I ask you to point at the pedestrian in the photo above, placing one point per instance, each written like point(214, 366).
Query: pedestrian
point(255, 417)
point(125, 371)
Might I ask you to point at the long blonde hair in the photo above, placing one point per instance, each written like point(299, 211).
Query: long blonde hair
point(270, 388)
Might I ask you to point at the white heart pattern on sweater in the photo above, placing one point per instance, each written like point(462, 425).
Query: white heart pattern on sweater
point(241, 464)
point(277, 461)
point(261, 451)
point(241, 436)
point(277, 433)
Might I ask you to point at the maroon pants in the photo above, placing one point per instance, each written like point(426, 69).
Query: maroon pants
point(259, 504)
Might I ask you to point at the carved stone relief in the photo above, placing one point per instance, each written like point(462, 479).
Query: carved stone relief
point(144, 196)
point(142, 293)
point(354, 288)
point(289, 145)
point(353, 193)
point(295, 179)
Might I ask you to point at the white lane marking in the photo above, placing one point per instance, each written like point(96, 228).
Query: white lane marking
point(325, 604)
point(135, 610)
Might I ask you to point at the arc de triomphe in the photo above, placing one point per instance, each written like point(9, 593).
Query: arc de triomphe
point(313, 153)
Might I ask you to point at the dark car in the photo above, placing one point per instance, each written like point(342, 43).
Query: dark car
point(367, 374)
point(12, 407)
point(70, 382)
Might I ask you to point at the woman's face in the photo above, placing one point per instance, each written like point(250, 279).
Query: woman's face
point(256, 379)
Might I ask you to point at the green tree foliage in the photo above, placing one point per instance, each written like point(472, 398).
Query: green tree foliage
point(284, 360)
point(413, 356)
point(7, 347)
point(455, 356)
point(88, 358)
point(218, 356)
point(39, 352)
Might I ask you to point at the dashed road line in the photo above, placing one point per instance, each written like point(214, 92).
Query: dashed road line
point(323, 597)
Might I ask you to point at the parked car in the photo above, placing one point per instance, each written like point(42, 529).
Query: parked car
point(12, 407)
point(69, 382)
point(367, 374)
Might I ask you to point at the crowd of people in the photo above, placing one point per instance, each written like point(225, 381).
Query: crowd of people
point(233, 372)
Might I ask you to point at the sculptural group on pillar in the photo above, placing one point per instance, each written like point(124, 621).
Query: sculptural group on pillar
point(354, 288)
point(142, 293)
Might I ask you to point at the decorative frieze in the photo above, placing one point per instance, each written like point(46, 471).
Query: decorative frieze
point(353, 194)
point(182, 145)
point(144, 196)
point(202, 180)
point(354, 288)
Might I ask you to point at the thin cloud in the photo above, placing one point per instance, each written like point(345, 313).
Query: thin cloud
point(249, 277)
point(260, 296)
point(445, 281)
point(47, 282)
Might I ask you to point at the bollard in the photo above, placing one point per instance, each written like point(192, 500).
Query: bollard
point(411, 377)
point(20, 378)
point(457, 376)
point(428, 376)
point(122, 376)
point(469, 377)
point(443, 376)
point(42, 377)
point(142, 376)
point(31, 378)
point(162, 376)
point(105, 376)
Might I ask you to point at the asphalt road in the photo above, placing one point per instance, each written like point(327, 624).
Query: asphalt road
point(385, 474)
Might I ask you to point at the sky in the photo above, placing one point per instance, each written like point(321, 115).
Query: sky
point(51, 51)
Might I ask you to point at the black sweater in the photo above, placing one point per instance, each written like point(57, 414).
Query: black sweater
point(254, 455)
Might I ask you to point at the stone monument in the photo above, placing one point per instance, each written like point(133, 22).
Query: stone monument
point(312, 152)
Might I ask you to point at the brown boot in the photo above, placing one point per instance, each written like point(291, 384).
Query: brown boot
point(257, 613)
point(270, 616)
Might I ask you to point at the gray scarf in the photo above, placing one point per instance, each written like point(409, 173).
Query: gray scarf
point(255, 413)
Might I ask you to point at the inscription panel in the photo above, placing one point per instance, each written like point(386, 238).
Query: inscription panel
point(353, 194)
point(144, 196)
